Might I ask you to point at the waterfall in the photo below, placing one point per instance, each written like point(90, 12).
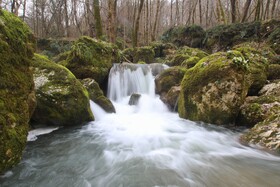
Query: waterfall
point(126, 79)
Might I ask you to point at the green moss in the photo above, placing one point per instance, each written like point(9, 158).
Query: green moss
point(62, 100)
point(16, 49)
point(193, 36)
point(145, 54)
point(90, 58)
point(190, 62)
point(274, 72)
point(222, 37)
point(198, 98)
point(169, 78)
point(97, 95)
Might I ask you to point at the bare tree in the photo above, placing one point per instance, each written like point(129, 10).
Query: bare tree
point(112, 6)
point(246, 10)
point(233, 10)
point(136, 26)
point(97, 17)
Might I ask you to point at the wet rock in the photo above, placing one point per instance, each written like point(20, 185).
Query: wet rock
point(97, 95)
point(134, 99)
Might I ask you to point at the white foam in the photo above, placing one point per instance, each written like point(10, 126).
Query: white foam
point(33, 134)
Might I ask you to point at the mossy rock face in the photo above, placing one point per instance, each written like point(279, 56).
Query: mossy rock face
point(17, 98)
point(169, 78)
point(273, 72)
point(61, 98)
point(192, 36)
point(171, 98)
point(90, 58)
point(223, 37)
point(163, 50)
point(257, 109)
point(258, 57)
point(274, 40)
point(96, 95)
point(139, 54)
point(265, 133)
point(187, 57)
point(264, 111)
point(214, 89)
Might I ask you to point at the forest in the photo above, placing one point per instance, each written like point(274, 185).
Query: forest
point(134, 22)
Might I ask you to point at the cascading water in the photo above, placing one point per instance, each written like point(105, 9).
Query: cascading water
point(142, 146)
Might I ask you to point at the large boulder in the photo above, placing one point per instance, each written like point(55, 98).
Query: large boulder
point(186, 56)
point(17, 96)
point(90, 58)
point(97, 95)
point(61, 98)
point(264, 113)
point(223, 37)
point(214, 89)
point(144, 54)
point(192, 36)
point(167, 83)
point(258, 55)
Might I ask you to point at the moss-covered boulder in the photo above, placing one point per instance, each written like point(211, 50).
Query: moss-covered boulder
point(223, 37)
point(273, 72)
point(139, 54)
point(257, 109)
point(163, 49)
point(265, 134)
point(90, 58)
point(274, 40)
point(17, 96)
point(187, 57)
point(214, 89)
point(264, 111)
point(166, 80)
point(258, 56)
point(61, 98)
point(171, 98)
point(192, 36)
point(97, 95)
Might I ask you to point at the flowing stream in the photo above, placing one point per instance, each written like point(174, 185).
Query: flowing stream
point(141, 146)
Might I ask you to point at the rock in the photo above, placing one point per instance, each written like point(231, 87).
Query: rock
point(192, 36)
point(223, 37)
point(171, 98)
point(61, 98)
point(169, 78)
point(90, 58)
point(258, 109)
point(140, 54)
point(97, 95)
point(258, 57)
point(264, 113)
point(187, 57)
point(273, 72)
point(214, 89)
point(271, 89)
point(163, 50)
point(17, 101)
point(134, 99)
point(265, 133)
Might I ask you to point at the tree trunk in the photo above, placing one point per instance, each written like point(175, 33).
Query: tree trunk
point(273, 8)
point(233, 10)
point(112, 6)
point(245, 11)
point(156, 21)
point(200, 12)
point(171, 13)
point(97, 17)
point(177, 15)
point(266, 11)
point(136, 27)
point(258, 11)
point(66, 19)
point(23, 11)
